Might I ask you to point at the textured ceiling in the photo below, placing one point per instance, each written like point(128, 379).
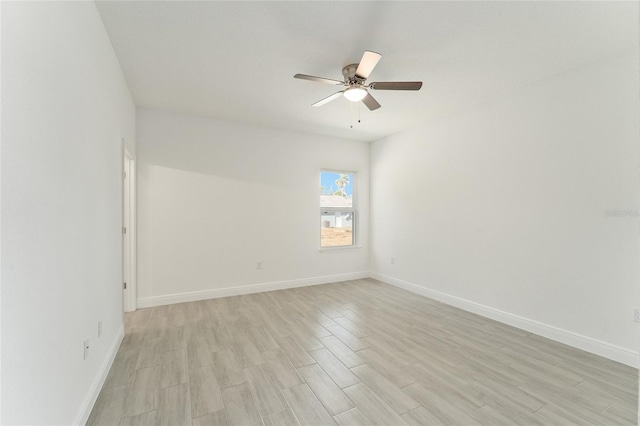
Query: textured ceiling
point(236, 60)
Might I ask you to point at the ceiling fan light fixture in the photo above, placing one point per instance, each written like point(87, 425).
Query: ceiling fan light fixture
point(355, 93)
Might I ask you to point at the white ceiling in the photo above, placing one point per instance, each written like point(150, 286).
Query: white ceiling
point(236, 60)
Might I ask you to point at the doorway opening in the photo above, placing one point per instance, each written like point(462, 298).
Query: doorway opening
point(129, 231)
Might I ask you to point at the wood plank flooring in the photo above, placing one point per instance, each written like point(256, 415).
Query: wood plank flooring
point(351, 353)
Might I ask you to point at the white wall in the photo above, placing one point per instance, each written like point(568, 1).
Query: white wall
point(217, 197)
point(503, 205)
point(65, 109)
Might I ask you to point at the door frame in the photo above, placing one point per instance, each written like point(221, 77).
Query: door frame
point(129, 222)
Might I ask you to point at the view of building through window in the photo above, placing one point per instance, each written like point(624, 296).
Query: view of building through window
point(337, 209)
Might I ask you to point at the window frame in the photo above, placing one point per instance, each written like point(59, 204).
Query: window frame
point(353, 210)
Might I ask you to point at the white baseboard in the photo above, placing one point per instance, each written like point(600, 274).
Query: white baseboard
point(91, 398)
point(579, 341)
point(148, 302)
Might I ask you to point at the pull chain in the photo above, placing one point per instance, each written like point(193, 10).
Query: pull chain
point(354, 113)
point(351, 107)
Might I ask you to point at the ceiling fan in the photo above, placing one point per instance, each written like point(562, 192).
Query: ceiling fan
point(355, 76)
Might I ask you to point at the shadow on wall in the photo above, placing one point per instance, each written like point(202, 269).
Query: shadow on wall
point(238, 151)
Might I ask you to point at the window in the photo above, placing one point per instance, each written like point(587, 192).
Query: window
point(337, 209)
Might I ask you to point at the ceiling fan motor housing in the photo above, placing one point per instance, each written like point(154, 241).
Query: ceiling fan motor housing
point(349, 73)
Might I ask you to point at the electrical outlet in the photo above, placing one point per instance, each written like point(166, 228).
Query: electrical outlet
point(86, 349)
point(99, 328)
point(636, 314)
point(393, 260)
point(259, 265)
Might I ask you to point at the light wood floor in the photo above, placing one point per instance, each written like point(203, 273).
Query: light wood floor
point(358, 352)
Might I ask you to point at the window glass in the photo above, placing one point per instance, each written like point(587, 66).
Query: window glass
point(337, 209)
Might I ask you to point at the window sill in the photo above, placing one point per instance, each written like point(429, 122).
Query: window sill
point(338, 249)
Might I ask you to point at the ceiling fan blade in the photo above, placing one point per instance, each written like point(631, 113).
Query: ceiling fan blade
point(370, 102)
point(319, 79)
point(397, 85)
point(328, 99)
point(367, 64)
